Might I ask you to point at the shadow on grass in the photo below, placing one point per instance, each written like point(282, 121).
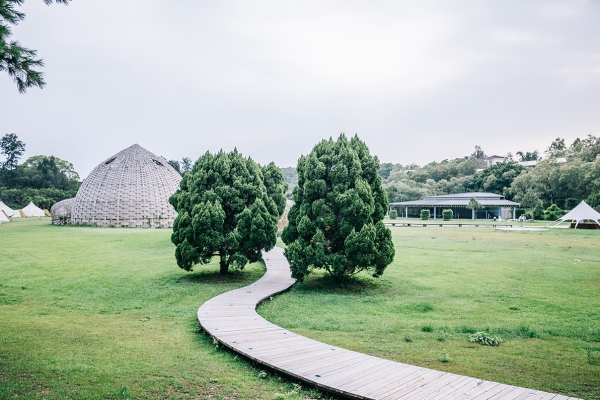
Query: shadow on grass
point(360, 284)
point(215, 277)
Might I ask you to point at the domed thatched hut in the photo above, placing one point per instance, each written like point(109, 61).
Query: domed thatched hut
point(130, 189)
point(61, 212)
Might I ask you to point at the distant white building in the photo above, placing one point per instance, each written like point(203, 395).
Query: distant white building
point(491, 160)
point(533, 163)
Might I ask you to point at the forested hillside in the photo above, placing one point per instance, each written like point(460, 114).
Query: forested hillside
point(44, 180)
point(564, 176)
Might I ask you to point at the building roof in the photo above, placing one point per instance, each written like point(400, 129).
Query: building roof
point(580, 213)
point(460, 199)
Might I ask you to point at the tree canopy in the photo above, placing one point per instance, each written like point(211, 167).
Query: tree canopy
point(336, 221)
point(18, 61)
point(225, 211)
point(12, 149)
point(41, 179)
point(275, 185)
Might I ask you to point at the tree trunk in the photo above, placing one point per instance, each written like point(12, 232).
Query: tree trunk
point(223, 264)
point(224, 268)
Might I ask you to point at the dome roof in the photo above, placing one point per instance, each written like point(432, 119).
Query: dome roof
point(131, 188)
point(61, 212)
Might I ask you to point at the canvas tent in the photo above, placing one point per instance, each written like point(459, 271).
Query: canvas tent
point(581, 213)
point(33, 211)
point(9, 211)
point(3, 217)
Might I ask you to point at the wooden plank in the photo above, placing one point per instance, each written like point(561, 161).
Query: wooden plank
point(446, 384)
point(232, 319)
point(380, 377)
point(420, 380)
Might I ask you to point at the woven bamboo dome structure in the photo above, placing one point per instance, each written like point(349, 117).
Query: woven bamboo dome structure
point(130, 189)
point(61, 212)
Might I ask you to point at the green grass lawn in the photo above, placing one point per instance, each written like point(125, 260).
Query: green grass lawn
point(106, 313)
point(537, 291)
point(93, 313)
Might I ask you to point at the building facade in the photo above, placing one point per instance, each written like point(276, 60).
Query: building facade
point(493, 206)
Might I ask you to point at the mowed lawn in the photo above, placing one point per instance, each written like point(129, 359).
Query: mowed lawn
point(537, 291)
point(96, 313)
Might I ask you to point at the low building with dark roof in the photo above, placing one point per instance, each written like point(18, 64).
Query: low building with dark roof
point(493, 205)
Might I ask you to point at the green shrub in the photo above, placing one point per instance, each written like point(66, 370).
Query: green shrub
point(444, 358)
point(525, 332)
point(520, 211)
point(447, 215)
point(593, 200)
point(538, 212)
point(425, 214)
point(553, 213)
point(393, 214)
point(467, 329)
point(485, 339)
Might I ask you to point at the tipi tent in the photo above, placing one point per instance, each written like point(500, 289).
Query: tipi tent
point(581, 213)
point(9, 211)
point(33, 211)
point(3, 217)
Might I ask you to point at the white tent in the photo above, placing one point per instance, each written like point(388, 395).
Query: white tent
point(33, 211)
point(581, 213)
point(3, 217)
point(9, 211)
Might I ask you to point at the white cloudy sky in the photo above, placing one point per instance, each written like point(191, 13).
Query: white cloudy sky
point(418, 81)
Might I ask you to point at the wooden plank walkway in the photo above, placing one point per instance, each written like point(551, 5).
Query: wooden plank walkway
point(232, 320)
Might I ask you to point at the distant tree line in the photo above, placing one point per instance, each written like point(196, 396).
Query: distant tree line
point(44, 180)
point(565, 176)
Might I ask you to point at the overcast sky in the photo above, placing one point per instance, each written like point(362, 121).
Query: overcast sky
point(418, 81)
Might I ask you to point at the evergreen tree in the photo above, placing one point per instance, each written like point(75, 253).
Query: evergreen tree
point(186, 165)
point(225, 211)
point(336, 221)
point(176, 166)
point(276, 187)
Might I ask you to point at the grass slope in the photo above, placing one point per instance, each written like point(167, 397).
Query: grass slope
point(538, 291)
point(92, 313)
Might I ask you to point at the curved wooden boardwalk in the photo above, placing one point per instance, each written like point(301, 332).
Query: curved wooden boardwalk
point(231, 318)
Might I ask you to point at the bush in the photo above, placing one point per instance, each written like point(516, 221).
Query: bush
point(447, 215)
point(553, 213)
point(424, 214)
point(485, 339)
point(393, 214)
point(538, 212)
point(594, 200)
point(521, 211)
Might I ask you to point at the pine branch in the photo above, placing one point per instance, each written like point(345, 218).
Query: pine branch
point(19, 61)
